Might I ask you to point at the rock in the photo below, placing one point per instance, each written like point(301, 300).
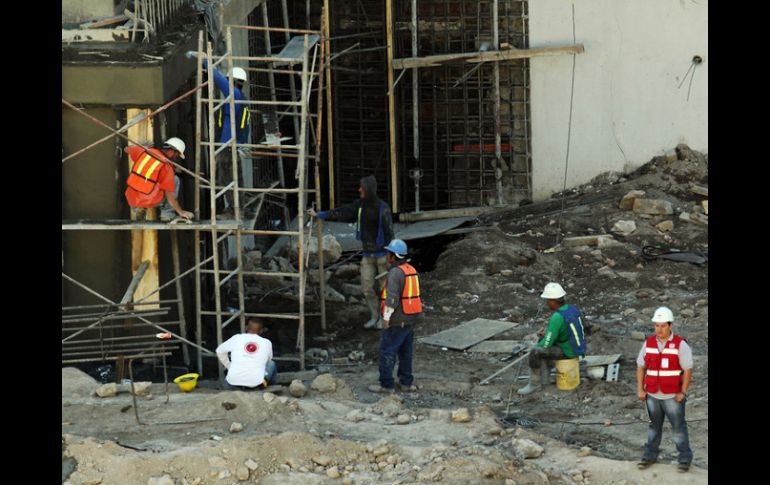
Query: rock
point(638, 335)
point(251, 464)
point(332, 250)
point(629, 311)
point(403, 419)
point(527, 448)
point(269, 397)
point(381, 450)
point(351, 289)
point(687, 313)
point(322, 460)
point(252, 260)
point(347, 481)
point(333, 472)
point(356, 355)
point(461, 415)
point(665, 226)
point(509, 481)
point(584, 451)
point(324, 383)
point(76, 383)
point(107, 390)
point(218, 461)
point(236, 428)
point(570, 242)
point(347, 271)
point(297, 388)
point(506, 272)
point(93, 481)
point(140, 388)
point(223, 474)
point(164, 480)
point(333, 295)
point(354, 416)
point(283, 399)
point(653, 207)
point(242, 473)
point(389, 406)
point(624, 228)
point(316, 354)
point(627, 202)
point(438, 414)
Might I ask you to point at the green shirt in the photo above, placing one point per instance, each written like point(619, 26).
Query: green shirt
point(556, 334)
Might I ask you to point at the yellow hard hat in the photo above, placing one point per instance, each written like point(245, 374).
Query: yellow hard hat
point(187, 382)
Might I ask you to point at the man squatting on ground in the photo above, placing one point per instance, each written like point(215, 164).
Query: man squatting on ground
point(250, 365)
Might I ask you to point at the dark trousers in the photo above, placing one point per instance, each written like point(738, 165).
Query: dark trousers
point(396, 342)
point(539, 354)
point(657, 409)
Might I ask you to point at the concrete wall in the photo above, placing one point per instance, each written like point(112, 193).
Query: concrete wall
point(628, 106)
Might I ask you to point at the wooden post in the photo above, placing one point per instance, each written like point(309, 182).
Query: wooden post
point(319, 128)
point(329, 125)
point(301, 161)
point(391, 108)
point(179, 295)
point(197, 249)
point(144, 242)
point(496, 94)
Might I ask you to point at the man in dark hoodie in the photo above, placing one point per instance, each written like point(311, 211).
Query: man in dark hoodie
point(374, 228)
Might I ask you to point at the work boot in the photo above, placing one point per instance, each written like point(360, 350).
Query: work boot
point(534, 382)
point(683, 467)
point(644, 463)
point(380, 389)
point(403, 388)
point(375, 320)
point(545, 375)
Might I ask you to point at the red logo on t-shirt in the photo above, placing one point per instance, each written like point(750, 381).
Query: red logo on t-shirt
point(251, 347)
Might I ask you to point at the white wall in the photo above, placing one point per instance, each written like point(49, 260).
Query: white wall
point(627, 105)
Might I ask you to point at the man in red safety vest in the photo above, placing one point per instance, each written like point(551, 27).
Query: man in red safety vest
point(663, 374)
point(401, 308)
point(152, 179)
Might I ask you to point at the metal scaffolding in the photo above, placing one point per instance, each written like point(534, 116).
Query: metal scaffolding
point(122, 330)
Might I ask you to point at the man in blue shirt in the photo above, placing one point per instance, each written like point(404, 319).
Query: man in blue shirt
point(222, 120)
point(562, 339)
point(374, 228)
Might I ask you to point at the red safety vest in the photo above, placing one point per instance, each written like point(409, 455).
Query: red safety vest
point(410, 296)
point(664, 373)
point(146, 171)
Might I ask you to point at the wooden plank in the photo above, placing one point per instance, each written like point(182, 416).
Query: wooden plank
point(570, 242)
point(391, 108)
point(122, 225)
point(596, 360)
point(95, 24)
point(445, 213)
point(329, 121)
point(700, 190)
point(506, 55)
point(144, 243)
point(287, 377)
point(468, 334)
point(494, 346)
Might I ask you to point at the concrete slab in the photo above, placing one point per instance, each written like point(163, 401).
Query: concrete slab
point(467, 334)
point(494, 346)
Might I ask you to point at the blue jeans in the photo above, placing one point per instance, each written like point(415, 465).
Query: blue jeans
point(396, 342)
point(656, 409)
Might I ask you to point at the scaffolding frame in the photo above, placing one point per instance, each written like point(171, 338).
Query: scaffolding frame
point(208, 234)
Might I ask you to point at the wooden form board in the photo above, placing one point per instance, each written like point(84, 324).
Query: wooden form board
point(144, 242)
point(495, 346)
point(468, 334)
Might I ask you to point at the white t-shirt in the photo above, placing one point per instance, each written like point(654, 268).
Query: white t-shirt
point(248, 355)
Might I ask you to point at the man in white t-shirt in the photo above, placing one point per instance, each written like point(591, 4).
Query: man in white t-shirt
point(250, 365)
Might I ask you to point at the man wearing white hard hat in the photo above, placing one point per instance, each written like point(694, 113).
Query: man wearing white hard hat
point(663, 374)
point(562, 339)
point(152, 180)
point(222, 119)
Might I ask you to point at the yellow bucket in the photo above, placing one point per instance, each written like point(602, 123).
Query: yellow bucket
point(187, 382)
point(567, 374)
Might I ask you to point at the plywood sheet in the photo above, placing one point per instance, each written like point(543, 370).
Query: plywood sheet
point(467, 334)
point(495, 346)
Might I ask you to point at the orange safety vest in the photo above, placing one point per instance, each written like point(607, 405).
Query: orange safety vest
point(145, 172)
point(410, 297)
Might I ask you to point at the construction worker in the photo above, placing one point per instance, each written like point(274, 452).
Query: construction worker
point(401, 308)
point(663, 374)
point(562, 339)
point(152, 180)
point(374, 228)
point(250, 364)
point(222, 119)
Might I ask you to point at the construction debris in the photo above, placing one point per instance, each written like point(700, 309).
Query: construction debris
point(653, 207)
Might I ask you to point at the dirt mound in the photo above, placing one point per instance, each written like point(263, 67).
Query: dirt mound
point(75, 383)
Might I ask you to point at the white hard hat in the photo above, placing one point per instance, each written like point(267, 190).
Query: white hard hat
point(176, 144)
point(553, 291)
point(663, 314)
point(240, 74)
